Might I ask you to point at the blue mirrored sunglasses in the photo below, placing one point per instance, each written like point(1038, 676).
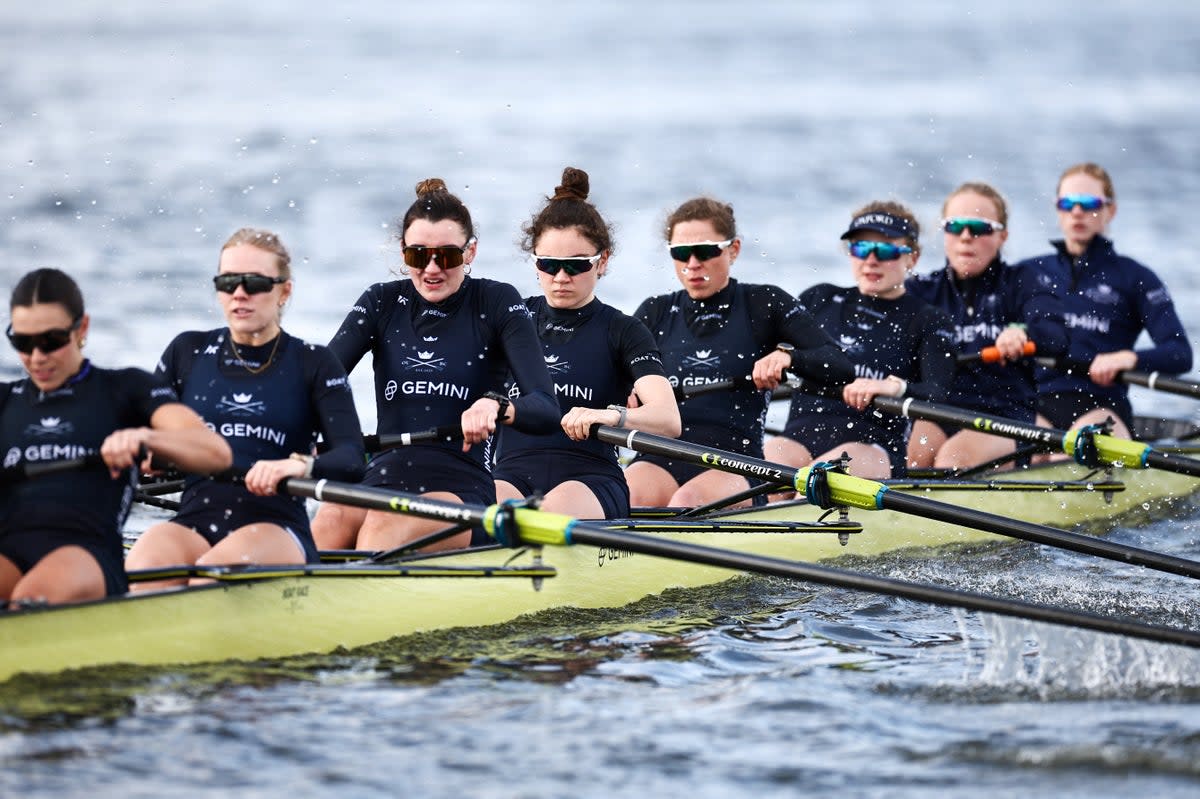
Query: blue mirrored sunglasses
point(884, 251)
point(1088, 202)
point(977, 227)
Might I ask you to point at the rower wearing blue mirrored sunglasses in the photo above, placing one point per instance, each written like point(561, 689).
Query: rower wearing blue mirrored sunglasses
point(1086, 202)
point(883, 250)
point(976, 227)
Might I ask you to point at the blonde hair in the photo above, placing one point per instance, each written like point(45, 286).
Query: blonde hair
point(263, 240)
point(984, 190)
point(1093, 170)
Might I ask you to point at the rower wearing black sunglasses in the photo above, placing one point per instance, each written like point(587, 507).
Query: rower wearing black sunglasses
point(1110, 299)
point(991, 304)
point(442, 342)
point(270, 395)
point(596, 355)
point(60, 534)
point(717, 330)
point(899, 345)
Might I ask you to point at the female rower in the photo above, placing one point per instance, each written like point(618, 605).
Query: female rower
point(60, 534)
point(442, 343)
point(270, 395)
point(717, 330)
point(991, 304)
point(1110, 299)
point(899, 346)
point(596, 356)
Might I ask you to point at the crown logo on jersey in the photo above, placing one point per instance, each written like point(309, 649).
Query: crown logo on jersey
point(702, 354)
point(431, 338)
point(551, 358)
point(424, 356)
point(52, 426)
point(241, 405)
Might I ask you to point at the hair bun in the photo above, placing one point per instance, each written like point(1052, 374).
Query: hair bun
point(574, 185)
point(430, 185)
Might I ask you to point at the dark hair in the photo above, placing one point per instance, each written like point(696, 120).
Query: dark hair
point(569, 208)
point(435, 203)
point(48, 286)
point(983, 190)
point(895, 209)
point(264, 240)
point(704, 209)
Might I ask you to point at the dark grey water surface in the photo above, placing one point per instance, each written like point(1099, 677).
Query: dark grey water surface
point(134, 137)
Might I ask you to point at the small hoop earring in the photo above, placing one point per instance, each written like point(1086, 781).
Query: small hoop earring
point(404, 271)
point(467, 269)
point(82, 343)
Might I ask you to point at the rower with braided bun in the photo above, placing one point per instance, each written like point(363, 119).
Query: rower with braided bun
point(443, 341)
point(596, 355)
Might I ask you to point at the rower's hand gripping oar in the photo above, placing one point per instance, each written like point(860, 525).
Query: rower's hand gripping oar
point(520, 526)
point(1090, 446)
point(1151, 380)
point(826, 488)
point(993, 354)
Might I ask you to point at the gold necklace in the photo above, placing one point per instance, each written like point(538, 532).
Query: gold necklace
point(242, 361)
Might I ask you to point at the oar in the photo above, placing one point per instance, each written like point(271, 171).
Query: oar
point(992, 354)
point(31, 470)
point(827, 488)
point(515, 526)
point(1151, 380)
point(1086, 446)
point(378, 443)
point(683, 393)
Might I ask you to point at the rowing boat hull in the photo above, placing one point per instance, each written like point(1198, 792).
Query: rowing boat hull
point(291, 615)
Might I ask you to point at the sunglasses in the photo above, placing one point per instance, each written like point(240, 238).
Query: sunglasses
point(1088, 202)
point(252, 282)
point(575, 265)
point(703, 250)
point(884, 251)
point(977, 227)
point(47, 341)
point(418, 257)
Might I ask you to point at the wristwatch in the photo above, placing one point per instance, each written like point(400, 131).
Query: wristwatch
point(622, 413)
point(788, 349)
point(504, 403)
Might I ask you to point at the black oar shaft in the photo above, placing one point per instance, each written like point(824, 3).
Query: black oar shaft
point(1157, 382)
point(858, 581)
point(573, 531)
point(1008, 428)
point(1173, 463)
point(1151, 380)
point(906, 503)
point(1038, 534)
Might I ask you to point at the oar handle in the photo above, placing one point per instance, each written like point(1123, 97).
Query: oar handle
point(683, 393)
point(993, 355)
point(379, 443)
point(1131, 377)
point(31, 470)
